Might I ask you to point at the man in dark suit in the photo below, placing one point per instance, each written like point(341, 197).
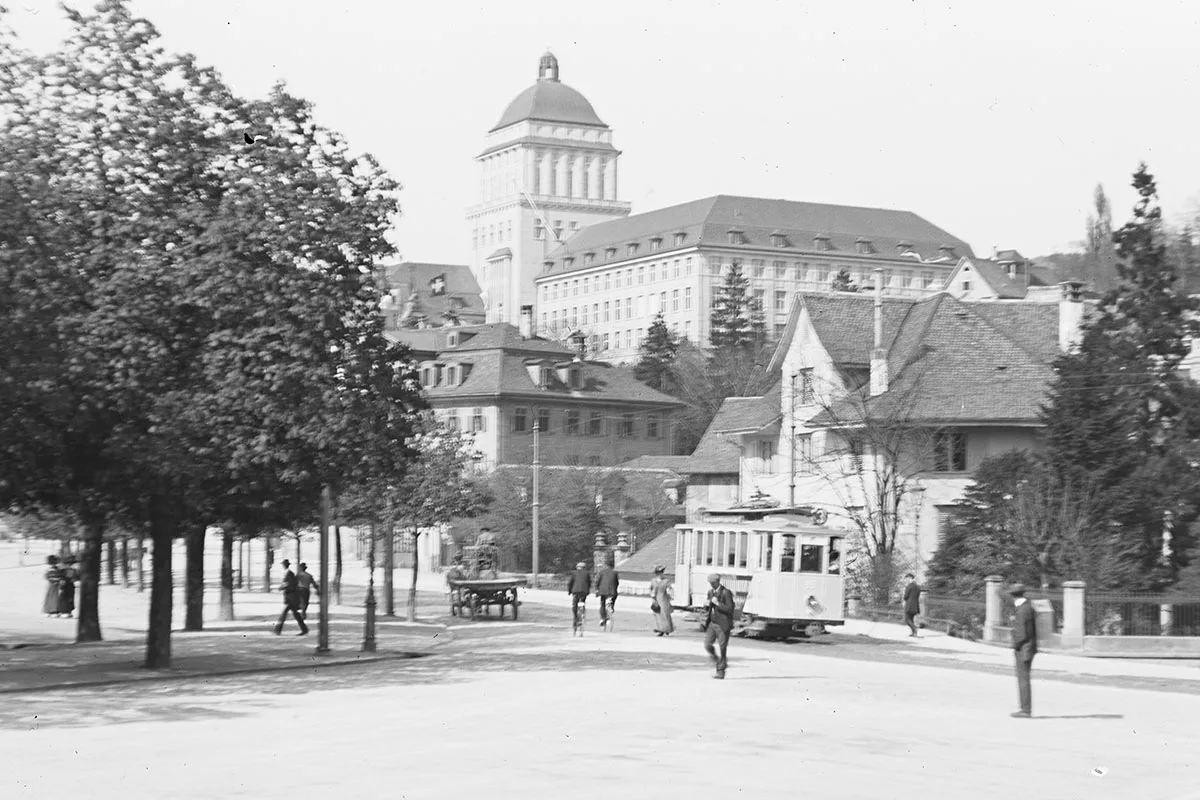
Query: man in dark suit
point(291, 600)
point(579, 587)
point(1024, 639)
point(912, 603)
point(606, 588)
point(718, 623)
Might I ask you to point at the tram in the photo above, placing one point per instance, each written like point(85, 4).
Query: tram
point(782, 564)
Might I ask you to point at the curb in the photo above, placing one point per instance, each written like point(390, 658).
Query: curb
point(443, 637)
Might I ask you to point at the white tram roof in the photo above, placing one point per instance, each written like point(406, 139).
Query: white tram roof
point(791, 520)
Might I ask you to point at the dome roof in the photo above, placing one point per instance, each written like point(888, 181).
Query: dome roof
point(549, 100)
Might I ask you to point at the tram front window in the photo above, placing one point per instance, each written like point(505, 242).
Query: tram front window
point(810, 557)
point(835, 557)
point(788, 556)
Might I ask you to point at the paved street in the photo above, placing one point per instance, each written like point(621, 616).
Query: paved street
point(524, 710)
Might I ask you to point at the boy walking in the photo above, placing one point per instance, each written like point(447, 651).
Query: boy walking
point(719, 623)
point(291, 600)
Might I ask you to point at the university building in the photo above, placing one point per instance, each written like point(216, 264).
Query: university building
point(548, 169)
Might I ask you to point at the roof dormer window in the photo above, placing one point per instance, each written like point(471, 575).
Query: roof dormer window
point(679, 238)
point(575, 378)
point(946, 251)
point(822, 243)
point(452, 375)
point(655, 244)
point(547, 266)
point(452, 339)
point(545, 377)
point(779, 240)
point(737, 236)
point(610, 252)
point(569, 262)
point(588, 258)
point(631, 248)
point(864, 246)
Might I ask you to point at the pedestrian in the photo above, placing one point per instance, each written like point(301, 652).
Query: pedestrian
point(1024, 635)
point(307, 585)
point(661, 598)
point(455, 574)
point(53, 578)
point(606, 588)
point(579, 586)
point(912, 603)
point(66, 587)
point(291, 600)
point(717, 623)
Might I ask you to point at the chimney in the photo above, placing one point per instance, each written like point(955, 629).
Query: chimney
point(879, 367)
point(526, 326)
point(1070, 315)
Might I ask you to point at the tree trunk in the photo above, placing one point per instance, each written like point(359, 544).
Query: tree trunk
point(389, 568)
point(193, 616)
point(412, 590)
point(267, 559)
point(141, 563)
point(299, 556)
point(158, 635)
point(241, 571)
point(125, 562)
point(337, 574)
point(111, 547)
point(88, 629)
point(225, 612)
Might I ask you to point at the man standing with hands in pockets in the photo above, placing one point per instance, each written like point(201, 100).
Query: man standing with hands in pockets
point(1024, 640)
point(718, 622)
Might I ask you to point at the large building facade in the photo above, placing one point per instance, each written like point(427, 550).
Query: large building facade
point(611, 279)
point(548, 169)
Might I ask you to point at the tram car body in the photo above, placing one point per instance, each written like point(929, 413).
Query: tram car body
point(783, 566)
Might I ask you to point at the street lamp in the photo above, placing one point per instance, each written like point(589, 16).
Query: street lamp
point(537, 465)
point(323, 620)
point(368, 645)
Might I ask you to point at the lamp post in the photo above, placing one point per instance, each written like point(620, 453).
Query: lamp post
point(323, 620)
point(368, 644)
point(537, 464)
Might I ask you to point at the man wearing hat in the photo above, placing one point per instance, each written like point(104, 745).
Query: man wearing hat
point(291, 600)
point(718, 622)
point(1024, 636)
point(579, 587)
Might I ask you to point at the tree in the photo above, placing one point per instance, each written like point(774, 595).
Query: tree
point(658, 353)
point(568, 518)
point(440, 486)
point(1100, 255)
point(736, 323)
point(1119, 413)
point(842, 282)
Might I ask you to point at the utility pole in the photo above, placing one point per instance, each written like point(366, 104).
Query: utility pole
point(537, 467)
point(792, 448)
point(323, 621)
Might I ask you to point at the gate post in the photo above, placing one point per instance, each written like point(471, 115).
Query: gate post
point(1073, 610)
point(994, 599)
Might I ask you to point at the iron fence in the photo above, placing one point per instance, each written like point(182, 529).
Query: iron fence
point(1140, 614)
point(959, 616)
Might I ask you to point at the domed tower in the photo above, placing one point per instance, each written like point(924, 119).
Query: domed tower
point(549, 168)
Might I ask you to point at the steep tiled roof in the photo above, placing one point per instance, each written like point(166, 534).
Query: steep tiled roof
point(845, 323)
point(997, 278)
point(659, 552)
point(751, 413)
point(955, 362)
point(716, 454)
point(668, 463)
point(711, 219)
point(460, 294)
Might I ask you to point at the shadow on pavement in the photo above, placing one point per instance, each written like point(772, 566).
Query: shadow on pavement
point(1078, 716)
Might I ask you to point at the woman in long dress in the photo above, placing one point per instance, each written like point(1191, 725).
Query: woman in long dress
point(53, 576)
point(661, 595)
point(66, 588)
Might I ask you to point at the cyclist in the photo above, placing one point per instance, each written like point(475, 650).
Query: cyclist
point(606, 588)
point(579, 587)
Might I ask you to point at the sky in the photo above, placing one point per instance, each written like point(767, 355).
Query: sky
point(993, 121)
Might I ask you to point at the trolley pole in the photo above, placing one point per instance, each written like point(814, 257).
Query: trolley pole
point(537, 466)
point(323, 620)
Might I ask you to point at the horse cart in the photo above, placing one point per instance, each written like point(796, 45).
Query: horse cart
point(471, 597)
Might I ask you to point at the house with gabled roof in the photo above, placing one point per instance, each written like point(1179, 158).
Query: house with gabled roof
point(499, 383)
point(956, 381)
point(1006, 276)
point(420, 295)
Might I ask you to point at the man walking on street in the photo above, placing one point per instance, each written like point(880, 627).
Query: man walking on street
point(718, 623)
point(912, 603)
point(1024, 633)
point(307, 585)
point(579, 587)
point(291, 600)
point(606, 587)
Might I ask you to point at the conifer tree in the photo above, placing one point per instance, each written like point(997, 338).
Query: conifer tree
point(737, 322)
point(658, 353)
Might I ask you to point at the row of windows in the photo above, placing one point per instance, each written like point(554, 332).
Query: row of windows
point(572, 422)
point(732, 549)
point(823, 274)
point(949, 453)
point(646, 273)
point(616, 310)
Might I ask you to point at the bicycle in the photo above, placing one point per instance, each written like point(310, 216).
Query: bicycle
point(579, 606)
point(608, 608)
